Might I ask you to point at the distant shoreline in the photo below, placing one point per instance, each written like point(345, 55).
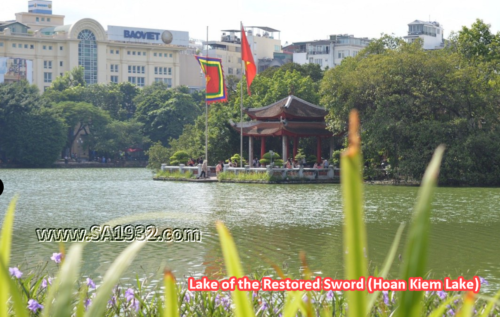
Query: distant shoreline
point(126, 164)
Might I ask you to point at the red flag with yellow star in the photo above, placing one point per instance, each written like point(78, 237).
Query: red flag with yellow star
point(247, 58)
point(215, 87)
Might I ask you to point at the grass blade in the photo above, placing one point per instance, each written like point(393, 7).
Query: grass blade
point(6, 238)
point(111, 278)
point(243, 306)
point(387, 265)
point(64, 284)
point(439, 311)
point(6, 284)
point(355, 261)
point(5, 244)
point(80, 307)
point(415, 257)
point(490, 305)
point(468, 305)
point(171, 307)
point(293, 303)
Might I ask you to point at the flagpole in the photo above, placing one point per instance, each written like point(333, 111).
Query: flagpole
point(241, 103)
point(206, 113)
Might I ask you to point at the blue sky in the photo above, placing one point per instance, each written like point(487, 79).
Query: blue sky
point(297, 20)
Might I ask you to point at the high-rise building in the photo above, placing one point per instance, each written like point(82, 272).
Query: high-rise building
point(43, 47)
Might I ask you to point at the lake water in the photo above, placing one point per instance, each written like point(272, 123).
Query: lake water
point(268, 222)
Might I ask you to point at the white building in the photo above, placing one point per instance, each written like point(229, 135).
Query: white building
point(261, 39)
point(431, 34)
point(328, 53)
point(43, 42)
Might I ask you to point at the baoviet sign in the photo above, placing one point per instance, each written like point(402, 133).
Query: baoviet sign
point(148, 36)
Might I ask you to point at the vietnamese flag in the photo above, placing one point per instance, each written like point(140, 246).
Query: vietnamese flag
point(247, 58)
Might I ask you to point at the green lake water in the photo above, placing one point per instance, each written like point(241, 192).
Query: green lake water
point(272, 222)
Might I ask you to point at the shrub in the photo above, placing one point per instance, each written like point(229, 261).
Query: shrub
point(158, 154)
point(179, 157)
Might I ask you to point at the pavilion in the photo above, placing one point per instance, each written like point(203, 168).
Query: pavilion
point(290, 117)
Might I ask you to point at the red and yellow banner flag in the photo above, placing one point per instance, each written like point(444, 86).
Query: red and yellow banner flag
point(216, 87)
point(247, 58)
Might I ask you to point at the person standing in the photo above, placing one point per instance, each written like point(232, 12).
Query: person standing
point(204, 169)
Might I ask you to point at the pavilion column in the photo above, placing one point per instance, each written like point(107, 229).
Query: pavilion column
point(250, 151)
point(288, 148)
point(295, 146)
point(284, 140)
point(262, 147)
point(318, 150)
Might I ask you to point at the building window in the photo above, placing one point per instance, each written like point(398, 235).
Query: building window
point(87, 55)
point(60, 63)
point(37, 19)
point(238, 71)
point(154, 54)
point(161, 54)
point(26, 46)
point(128, 52)
point(43, 19)
point(230, 71)
point(143, 53)
point(277, 48)
point(134, 69)
point(133, 52)
point(112, 51)
point(114, 79)
point(130, 69)
point(170, 71)
point(131, 80)
point(170, 55)
point(47, 64)
point(117, 52)
point(140, 81)
point(1, 44)
point(47, 77)
point(48, 19)
point(311, 60)
point(143, 69)
point(156, 70)
point(60, 48)
point(168, 81)
point(32, 47)
point(114, 68)
point(50, 47)
point(14, 45)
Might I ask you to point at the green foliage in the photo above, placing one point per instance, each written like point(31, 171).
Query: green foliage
point(158, 155)
point(175, 175)
point(311, 159)
point(255, 177)
point(164, 112)
point(179, 157)
point(268, 159)
point(119, 136)
point(236, 158)
point(411, 100)
point(335, 160)
point(82, 118)
point(34, 139)
point(300, 155)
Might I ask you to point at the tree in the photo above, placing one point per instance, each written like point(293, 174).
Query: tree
point(16, 100)
point(411, 100)
point(477, 43)
point(164, 112)
point(158, 154)
point(33, 139)
point(118, 136)
point(81, 118)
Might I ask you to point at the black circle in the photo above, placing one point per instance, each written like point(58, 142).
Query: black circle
point(1, 187)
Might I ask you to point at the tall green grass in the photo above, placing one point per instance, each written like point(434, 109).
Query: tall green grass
point(67, 298)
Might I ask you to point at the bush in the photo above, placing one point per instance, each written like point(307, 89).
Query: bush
point(179, 157)
point(236, 158)
point(266, 159)
point(158, 154)
point(311, 159)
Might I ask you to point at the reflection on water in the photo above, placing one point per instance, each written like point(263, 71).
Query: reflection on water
point(269, 222)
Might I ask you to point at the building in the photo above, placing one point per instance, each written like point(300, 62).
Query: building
point(327, 53)
point(263, 41)
point(431, 34)
point(41, 41)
